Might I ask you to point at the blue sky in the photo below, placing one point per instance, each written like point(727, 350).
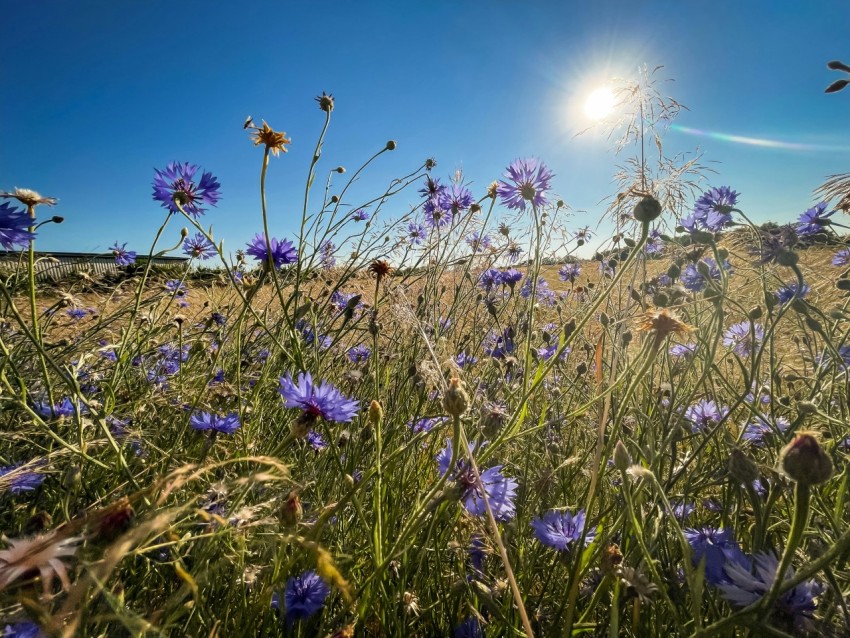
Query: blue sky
point(98, 94)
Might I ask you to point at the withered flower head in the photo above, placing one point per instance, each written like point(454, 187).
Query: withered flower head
point(663, 322)
point(42, 554)
point(380, 268)
point(273, 140)
point(29, 198)
point(326, 102)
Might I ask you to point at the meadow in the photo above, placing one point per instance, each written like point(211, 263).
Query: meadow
point(445, 422)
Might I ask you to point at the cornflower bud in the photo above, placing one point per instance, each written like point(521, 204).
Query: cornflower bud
point(804, 460)
point(455, 400)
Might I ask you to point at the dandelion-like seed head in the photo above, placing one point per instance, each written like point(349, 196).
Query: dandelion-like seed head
point(29, 198)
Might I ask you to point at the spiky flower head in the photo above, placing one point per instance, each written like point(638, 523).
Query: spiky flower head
point(455, 400)
point(744, 337)
point(304, 595)
point(42, 554)
point(29, 198)
point(123, 257)
point(174, 187)
point(379, 269)
point(282, 251)
point(559, 529)
point(326, 102)
point(662, 323)
point(315, 401)
point(199, 247)
point(273, 140)
point(815, 220)
point(226, 424)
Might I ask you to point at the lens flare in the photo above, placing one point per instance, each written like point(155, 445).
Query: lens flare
point(763, 142)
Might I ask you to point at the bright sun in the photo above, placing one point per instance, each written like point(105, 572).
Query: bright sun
point(599, 103)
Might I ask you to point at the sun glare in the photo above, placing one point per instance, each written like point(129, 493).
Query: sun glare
point(599, 103)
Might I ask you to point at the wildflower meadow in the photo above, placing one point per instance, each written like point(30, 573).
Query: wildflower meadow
point(428, 412)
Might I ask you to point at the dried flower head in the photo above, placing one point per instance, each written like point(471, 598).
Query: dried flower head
point(663, 322)
point(29, 198)
point(326, 102)
point(275, 142)
point(380, 268)
point(42, 554)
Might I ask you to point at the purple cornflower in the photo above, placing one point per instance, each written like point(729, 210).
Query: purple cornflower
point(814, 221)
point(683, 350)
point(469, 627)
point(123, 257)
point(569, 272)
point(360, 215)
point(426, 424)
point(510, 277)
point(340, 300)
point(514, 251)
point(175, 286)
point(776, 246)
point(558, 529)
point(227, 424)
point(463, 360)
point(762, 426)
point(455, 199)
point(705, 414)
point(748, 581)
point(24, 629)
point(359, 353)
point(607, 267)
point(695, 281)
point(682, 510)
point(490, 278)
point(478, 242)
point(841, 258)
point(744, 337)
point(304, 595)
point(500, 490)
point(843, 352)
point(19, 481)
point(528, 180)
point(174, 185)
point(542, 290)
point(654, 245)
point(583, 234)
point(712, 211)
point(433, 189)
point(316, 441)
point(282, 251)
point(549, 350)
point(501, 345)
point(326, 254)
point(76, 313)
point(416, 233)
point(790, 291)
point(14, 227)
point(310, 336)
point(435, 215)
point(716, 546)
point(322, 400)
point(199, 247)
point(62, 409)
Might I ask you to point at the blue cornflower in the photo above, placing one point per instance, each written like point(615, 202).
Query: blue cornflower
point(20, 480)
point(14, 227)
point(426, 424)
point(123, 257)
point(569, 272)
point(695, 281)
point(500, 490)
point(175, 286)
point(843, 352)
point(762, 426)
point(528, 180)
point(340, 300)
point(304, 595)
point(814, 221)
point(469, 627)
point(744, 337)
point(218, 318)
point(24, 629)
point(654, 244)
point(360, 215)
point(326, 254)
point(65, 408)
point(510, 277)
point(316, 441)
point(790, 291)
point(227, 424)
point(683, 350)
point(322, 400)
point(199, 247)
point(455, 199)
point(514, 251)
point(477, 552)
point(501, 345)
point(435, 215)
point(478, 242)
point(682, 510)
point(841, 258)
point(359, 353)
point(174, 185)
point(748, 580)
point(607, 267)
point(416, 233)
point(433, 189)
point(490, 278)
point(310, 335)
point(712, 211)
point(76, 313)
point(705, 414)
point(558, 529)
point(549, 350)
point(282, 251)
point(542, 290)
point(463, 360)
point(716, 546)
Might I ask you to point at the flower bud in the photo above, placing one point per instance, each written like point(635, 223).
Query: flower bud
point(340, 169)
point(455, 400)
point(291, 511)
point(674, 271)
point(806, 407)
point(376, 413)
point(622, 458)
point(647, 209)
point(742, 468)
point(391, 145)
point(804, 460)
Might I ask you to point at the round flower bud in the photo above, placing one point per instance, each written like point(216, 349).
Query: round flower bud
point(622, 458)
point(376, 413)
point(391, 145)
point(291, 511)
point(804, 460)
point(184, 232)
point(787, 258)
point(674, 271)
point(647, 209)
point(340, 169)
point(334, 199)
point(742, 468)
point(754, 313)
point(57, 219)
point(806, 407)
point(455, 400)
